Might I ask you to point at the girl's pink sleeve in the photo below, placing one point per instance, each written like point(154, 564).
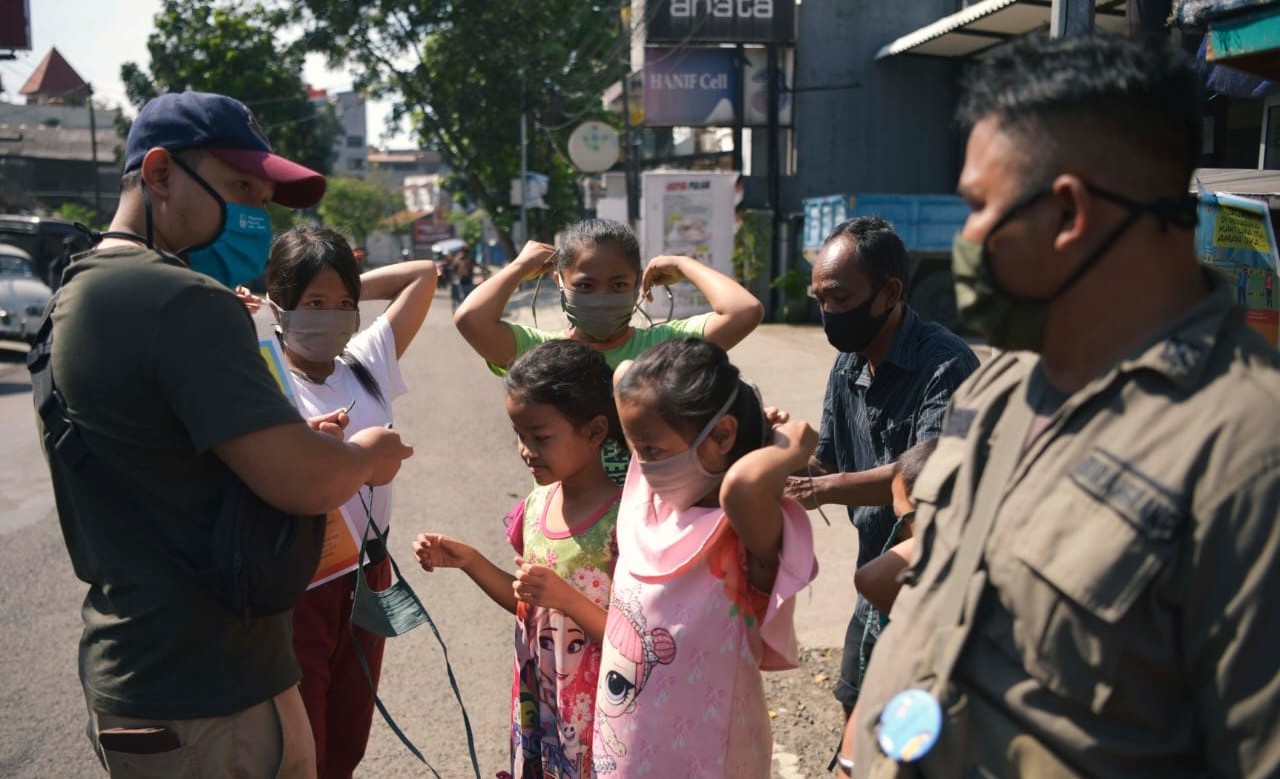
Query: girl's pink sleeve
point(797, 566)
point(514, 521)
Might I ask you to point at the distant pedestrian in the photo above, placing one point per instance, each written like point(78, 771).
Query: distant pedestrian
point(711, 557)
point(1242, 286)
point(560, 400)
point(464, 274)
point(1269, 283)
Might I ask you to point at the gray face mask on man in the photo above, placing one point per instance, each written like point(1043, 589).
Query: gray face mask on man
point(319, 335)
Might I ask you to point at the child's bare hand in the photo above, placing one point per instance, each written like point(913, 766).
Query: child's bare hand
point(662, 271)
point(536, 259)
point(775, 416)
point(434, 550)
point(251, 301)
point(539, 585)
point(797, 437)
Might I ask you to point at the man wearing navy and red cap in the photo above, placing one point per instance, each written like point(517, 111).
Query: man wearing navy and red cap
point(157, 364)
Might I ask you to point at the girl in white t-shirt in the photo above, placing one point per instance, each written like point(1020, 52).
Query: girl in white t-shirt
point(314, 287)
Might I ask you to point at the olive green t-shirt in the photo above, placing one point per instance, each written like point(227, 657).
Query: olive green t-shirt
point(157, 365)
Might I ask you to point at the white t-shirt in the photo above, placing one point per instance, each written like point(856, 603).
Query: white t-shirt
point(375, 348)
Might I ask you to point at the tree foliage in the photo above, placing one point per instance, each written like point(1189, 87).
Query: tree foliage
point(456, 70)
point(233, 48)
point(356, 207)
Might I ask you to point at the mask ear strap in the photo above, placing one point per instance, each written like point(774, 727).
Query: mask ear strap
point(533, 304)
point(222, 206)
point(728, 404)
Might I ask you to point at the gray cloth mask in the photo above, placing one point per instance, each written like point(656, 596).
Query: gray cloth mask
point(318, 335)
point(600, 317)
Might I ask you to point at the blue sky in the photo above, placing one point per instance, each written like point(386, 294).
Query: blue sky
point(98, 36)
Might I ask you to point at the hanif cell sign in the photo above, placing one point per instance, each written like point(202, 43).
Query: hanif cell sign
point(690, 87)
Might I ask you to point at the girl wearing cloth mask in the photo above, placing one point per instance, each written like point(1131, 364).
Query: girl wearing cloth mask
point(711, 558)
point(596, 266)
point(560, 401)
point(314, 287)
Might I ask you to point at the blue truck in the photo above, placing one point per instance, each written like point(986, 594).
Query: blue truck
point(927, 225)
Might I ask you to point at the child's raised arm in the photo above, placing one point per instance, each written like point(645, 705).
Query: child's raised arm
point(438, 551)
point(750, 494)
point(479, 317)
point(736, 311)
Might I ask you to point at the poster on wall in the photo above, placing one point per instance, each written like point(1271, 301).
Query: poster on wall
point(755, 87)
point(1236, 237)
point(688, 213)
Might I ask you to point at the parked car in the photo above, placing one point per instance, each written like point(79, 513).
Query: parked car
point(43, 239)
point(23, 296)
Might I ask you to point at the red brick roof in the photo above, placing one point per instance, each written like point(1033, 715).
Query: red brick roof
point(54, 78)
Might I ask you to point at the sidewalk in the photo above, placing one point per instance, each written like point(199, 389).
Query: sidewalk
point(789, 363)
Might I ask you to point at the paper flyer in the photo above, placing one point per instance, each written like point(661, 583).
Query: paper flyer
point(1236, 237)
point(271, 354)
point(341, 548)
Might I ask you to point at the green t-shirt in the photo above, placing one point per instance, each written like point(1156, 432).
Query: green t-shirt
point(616, 457)
point(157, 365)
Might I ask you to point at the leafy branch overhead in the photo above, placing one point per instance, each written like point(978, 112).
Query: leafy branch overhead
point(237, 49)
point(455, 71)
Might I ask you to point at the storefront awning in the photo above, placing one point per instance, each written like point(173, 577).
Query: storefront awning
point(990, 23)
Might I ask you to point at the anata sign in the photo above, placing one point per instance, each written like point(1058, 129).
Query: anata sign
point(721, 21)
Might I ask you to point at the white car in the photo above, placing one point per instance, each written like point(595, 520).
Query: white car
point(23, 296)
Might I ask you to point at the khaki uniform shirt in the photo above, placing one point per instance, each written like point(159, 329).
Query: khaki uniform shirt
point(1128, 625)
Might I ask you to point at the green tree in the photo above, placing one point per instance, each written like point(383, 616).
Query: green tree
point(233, 48)
point(456, 71)
point(356, 207)
point(76, 212)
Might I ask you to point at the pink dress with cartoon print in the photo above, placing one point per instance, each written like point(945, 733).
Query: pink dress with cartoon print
point(556, 663)
point(679, 691)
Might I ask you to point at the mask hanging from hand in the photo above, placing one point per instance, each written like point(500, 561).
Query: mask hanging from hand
point(600, 317)
point(853, 330)
point(680, 480)
point(318, 335)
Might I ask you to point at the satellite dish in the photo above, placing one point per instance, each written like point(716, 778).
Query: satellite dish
point(593, 147)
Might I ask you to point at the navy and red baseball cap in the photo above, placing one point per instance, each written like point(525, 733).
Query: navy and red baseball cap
point(227, 129)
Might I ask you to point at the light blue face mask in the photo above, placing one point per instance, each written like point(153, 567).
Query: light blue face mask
point(239, 253)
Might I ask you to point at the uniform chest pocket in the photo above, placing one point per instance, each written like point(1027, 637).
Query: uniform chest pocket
point(1093, 547)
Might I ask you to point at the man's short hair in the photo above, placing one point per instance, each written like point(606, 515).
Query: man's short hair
point(911, 462)
point(131, 180)
point(877, 247)
point(1125, 105)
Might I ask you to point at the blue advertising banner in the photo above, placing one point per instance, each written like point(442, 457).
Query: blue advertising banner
point(689, 87)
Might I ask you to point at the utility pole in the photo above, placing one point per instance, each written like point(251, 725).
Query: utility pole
point(777, 262)
point(93, 143)
point(524, 164)
point(628, 138)
point(1071, 18)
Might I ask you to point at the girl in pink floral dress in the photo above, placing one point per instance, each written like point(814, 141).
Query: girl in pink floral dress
point(560, 401)
point(711, 558)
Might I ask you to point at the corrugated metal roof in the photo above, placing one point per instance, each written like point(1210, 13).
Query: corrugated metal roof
point(990, 23)
point(61, 143)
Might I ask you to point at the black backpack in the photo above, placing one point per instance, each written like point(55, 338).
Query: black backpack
point(259, 559)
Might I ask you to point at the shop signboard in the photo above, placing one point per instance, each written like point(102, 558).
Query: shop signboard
point(690, 87)
point(720, 21)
